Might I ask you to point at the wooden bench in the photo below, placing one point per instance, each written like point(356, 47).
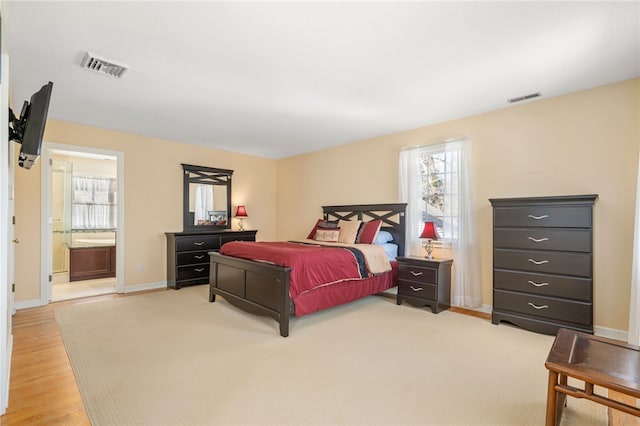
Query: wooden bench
point(596, 361)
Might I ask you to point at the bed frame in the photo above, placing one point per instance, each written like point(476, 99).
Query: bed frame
point(263, 289)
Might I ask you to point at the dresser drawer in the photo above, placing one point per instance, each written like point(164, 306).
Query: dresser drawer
point(544, 307)
point(193, 271)
point(543, 216)
point(237, 238)
point(544, 239)
point(192, 257)
point(543, 284)
point(418, 274)
point(200, 242)
point(578, 264)
point(413, 289)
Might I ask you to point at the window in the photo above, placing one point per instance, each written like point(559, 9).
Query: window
point(439, 180)
point(94, 203)
point(436, 184)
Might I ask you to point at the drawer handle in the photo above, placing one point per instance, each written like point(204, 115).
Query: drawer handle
point(538, 262)
point(544, 216)
point(198, 243)
point(199, 257)
point(537, 307)
point(199, 269)
point(416, 288)
point(538, 240)
point(537, 284)
point(416, 274)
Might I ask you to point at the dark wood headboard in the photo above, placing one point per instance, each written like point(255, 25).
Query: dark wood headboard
point(391, 215)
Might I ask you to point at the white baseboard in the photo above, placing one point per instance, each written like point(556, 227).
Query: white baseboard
point(611, 333)
point(26, 304)
point(143, 287)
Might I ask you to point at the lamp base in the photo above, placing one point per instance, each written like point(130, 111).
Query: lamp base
point(241, 224)
point(429, 248)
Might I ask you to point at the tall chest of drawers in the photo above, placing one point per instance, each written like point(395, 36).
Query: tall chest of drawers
point(188, 258)
point(543, 262)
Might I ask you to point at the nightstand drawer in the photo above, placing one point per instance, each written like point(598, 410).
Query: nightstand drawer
point(542, 216)
point(543, 284)
point(578, 264)
point(413, 289)
point(545, 307)
point(418, 274)
point(578, 240)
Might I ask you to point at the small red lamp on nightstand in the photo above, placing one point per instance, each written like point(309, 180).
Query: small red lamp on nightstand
point(241, 212)
point(430, 233)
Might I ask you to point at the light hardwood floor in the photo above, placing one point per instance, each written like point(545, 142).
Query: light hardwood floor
point(43, 389)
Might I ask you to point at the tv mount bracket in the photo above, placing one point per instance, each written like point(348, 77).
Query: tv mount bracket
point(16, 125)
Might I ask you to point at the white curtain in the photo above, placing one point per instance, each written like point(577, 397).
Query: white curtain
point(634, 315)
point(203, 203)
point(93, 203)
point(466, 289)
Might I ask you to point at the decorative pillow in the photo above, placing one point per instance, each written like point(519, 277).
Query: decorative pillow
point(368, 232)
point(328, 235)
point(312, 234)
point(348, 231)
point(323, 224)
point(383, 237)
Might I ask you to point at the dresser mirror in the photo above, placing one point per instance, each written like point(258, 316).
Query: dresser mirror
point(206, 198)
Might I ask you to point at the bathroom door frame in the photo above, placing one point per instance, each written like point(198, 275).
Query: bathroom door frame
point(46, 267)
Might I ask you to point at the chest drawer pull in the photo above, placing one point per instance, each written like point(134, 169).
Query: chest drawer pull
point(198, 243)
point(199, 269)
point(538, 262)
point(538, 240)
point(199, 257)
point(537, 284)
point(544, 216)
point(537, 307)
point(415, 274)
point(416, 288)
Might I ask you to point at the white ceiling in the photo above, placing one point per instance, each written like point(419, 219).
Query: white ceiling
point(275, 79)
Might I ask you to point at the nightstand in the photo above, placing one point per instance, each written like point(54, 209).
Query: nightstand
point(425, 282)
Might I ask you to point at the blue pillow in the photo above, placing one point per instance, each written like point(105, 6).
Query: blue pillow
point(383, 237)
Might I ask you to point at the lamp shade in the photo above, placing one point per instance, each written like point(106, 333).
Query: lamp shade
point(430, 232)
point(241, 212)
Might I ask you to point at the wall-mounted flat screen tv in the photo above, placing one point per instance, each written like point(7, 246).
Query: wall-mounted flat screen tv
point(28, 129)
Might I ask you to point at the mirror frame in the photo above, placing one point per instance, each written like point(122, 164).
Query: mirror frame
point(207, 176)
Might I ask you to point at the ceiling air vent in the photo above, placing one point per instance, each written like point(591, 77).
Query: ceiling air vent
point(103, 66)
point(524, 98)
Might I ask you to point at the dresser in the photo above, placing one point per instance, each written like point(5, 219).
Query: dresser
point(543, 262)
point(425, 282)
point(187, 254)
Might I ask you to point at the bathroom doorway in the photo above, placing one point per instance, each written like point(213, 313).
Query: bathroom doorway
point(83, 217)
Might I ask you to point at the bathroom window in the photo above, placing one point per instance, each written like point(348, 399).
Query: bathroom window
point(94, 203)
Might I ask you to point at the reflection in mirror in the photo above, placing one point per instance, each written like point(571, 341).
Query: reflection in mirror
point(208, 204)
point(207, 197)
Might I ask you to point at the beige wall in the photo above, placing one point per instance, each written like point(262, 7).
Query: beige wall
point(582, 143)
point(153, 199)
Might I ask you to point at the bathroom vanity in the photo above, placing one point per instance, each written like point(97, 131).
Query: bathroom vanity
point(89, 263)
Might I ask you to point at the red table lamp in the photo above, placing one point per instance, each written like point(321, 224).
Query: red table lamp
point(430, 233)
point(241, 212)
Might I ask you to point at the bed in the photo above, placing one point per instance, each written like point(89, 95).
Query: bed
point(265, 288)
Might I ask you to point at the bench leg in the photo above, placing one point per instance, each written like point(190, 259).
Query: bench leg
point(552, 399)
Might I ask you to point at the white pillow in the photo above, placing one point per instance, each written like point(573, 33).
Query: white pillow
point(348, 231)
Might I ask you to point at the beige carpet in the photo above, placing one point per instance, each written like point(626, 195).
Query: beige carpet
point(171, 357)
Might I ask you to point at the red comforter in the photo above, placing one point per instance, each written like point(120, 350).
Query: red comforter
point(311, 266)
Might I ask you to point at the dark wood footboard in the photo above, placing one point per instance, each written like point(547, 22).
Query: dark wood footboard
point(258, 288)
